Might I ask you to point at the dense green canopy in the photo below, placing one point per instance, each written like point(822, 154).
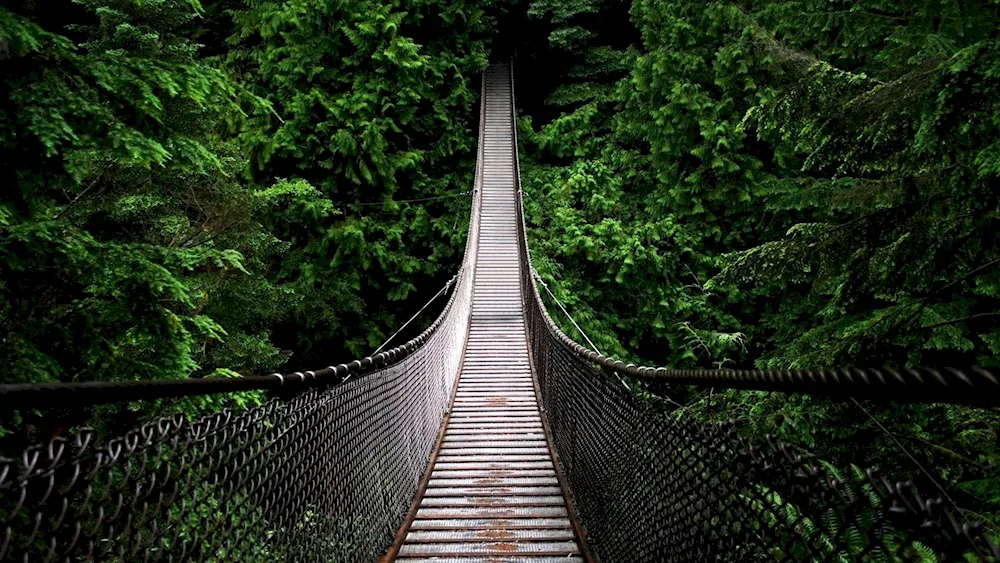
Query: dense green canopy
point(211, 189)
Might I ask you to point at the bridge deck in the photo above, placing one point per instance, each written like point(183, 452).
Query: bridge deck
point(493, 493)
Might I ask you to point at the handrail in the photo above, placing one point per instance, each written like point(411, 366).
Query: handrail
point(85, 393)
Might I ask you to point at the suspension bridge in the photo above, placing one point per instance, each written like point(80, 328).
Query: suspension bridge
point(490, 437)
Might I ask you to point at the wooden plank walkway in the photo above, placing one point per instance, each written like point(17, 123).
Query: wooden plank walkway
point(494, 495)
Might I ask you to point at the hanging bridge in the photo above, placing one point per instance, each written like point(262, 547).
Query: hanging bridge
point(490, 437)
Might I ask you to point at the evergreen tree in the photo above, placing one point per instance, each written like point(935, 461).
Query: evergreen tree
point(128, 234)
point(373, 105)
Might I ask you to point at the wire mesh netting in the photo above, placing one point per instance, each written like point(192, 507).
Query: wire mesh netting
point(326, 474)
point(651, 488)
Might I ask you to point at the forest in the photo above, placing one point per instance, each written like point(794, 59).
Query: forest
point(222, 188)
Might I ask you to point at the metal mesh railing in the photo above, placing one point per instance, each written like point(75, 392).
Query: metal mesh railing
point(652, 488)
point(648, 487)
point(324, 470)
point(325, 475)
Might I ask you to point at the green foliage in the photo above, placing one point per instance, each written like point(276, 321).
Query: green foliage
point(783, 185)
point(373, 103)
point(176, 214)
point(131, 234)
point(602, 233)
point(120, 174)
point(827, 170)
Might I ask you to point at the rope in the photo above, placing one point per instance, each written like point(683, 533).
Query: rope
point(417, 314)
point(565, 312)
point(419, 199)
point(974, 385)
point(570, 317)
point(85, 393)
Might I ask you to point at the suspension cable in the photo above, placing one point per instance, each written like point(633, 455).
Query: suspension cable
point(974, 385)
point(417, 314)
point(86, 393)
point(905, 451)
point(416, 200)
point(563, 308)
point(570, 317)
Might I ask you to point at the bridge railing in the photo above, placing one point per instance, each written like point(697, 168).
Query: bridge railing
point(322, 471)
point(650, 487)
